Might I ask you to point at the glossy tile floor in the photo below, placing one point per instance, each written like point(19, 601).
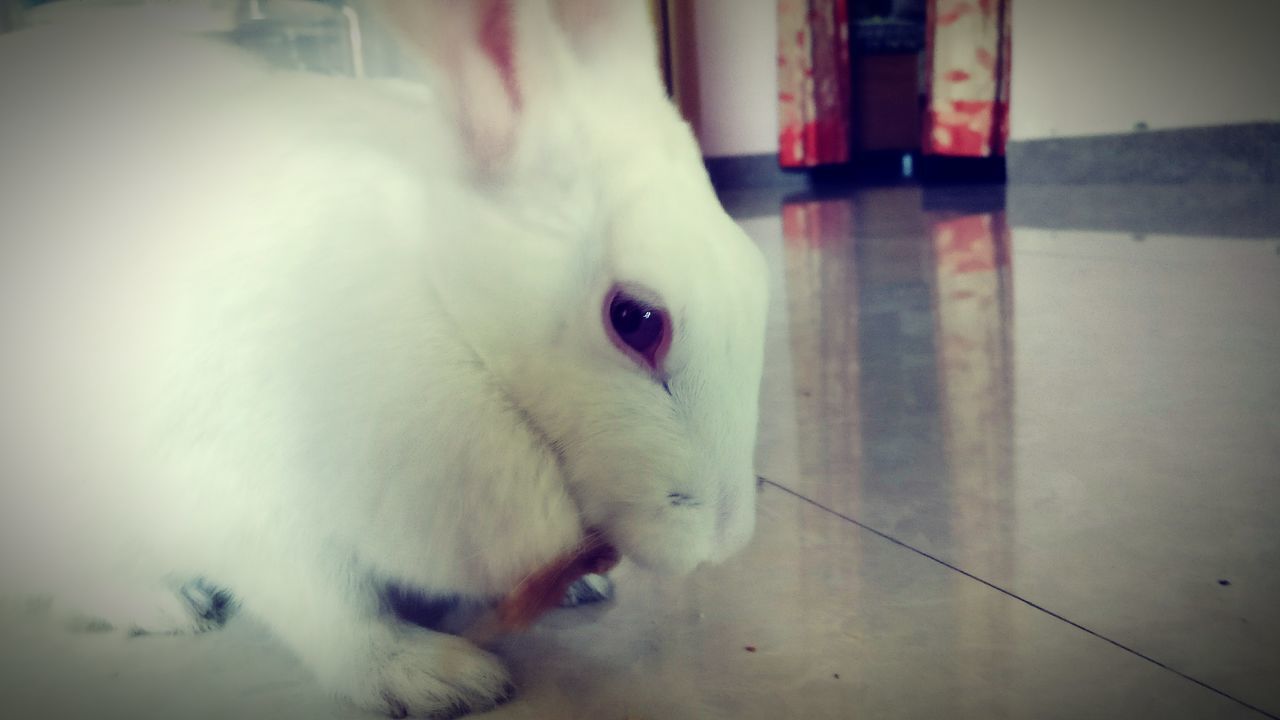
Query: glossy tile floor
point(1010, 473)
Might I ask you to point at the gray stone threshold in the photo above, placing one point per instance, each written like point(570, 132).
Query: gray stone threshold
point(1205, 155)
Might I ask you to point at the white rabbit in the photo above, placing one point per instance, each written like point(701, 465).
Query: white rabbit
point(308, 336)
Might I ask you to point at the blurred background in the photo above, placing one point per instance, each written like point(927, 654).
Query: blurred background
point(790, 90)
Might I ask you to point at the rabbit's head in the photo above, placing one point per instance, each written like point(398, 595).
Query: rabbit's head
point(598, 278)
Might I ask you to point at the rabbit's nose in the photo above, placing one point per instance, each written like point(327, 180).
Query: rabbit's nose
point(680, 499)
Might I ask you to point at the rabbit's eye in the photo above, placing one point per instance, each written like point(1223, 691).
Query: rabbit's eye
point(641, 328)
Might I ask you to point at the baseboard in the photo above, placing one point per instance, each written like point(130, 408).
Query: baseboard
point(1248, 153)
point(756, 172)
point(743, 172)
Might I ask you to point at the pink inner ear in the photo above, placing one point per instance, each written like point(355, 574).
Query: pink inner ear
point(498, 40)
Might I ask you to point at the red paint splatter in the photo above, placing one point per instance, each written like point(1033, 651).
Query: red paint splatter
point(986, 59)
point(972, 107)
point(956, 13)
point(968, 126)
point(957, 76)
point(750, 648)
point(816, 142)
point(790, 146)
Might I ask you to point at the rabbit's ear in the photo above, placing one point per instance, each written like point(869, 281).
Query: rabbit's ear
point(613, 37)
point(492, 58)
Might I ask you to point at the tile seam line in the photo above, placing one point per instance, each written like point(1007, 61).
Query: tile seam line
point(1023, 600)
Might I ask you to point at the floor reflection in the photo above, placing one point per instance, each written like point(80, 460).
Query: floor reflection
point(1106, 455)
point(900, 338)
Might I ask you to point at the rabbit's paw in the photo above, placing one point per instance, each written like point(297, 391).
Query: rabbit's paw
point(211, 605)
point(429, 675)
point(588, 589)
point(193, 607)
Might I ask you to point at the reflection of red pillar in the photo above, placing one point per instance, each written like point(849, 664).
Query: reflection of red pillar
point(822, 309)
point(973, 344)
point(975, 383)
point(1004, 265)
point(822, 321)
point(971, 254)
point(817, 223)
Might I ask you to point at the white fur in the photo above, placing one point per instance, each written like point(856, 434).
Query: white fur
point(304, 335)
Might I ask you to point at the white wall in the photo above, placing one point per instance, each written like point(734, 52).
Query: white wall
point(736, 50)
point(1084, 67)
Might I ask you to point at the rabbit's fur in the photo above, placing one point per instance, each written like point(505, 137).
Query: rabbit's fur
point(306, 336)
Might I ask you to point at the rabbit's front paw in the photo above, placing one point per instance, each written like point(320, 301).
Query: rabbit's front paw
point(419, 673)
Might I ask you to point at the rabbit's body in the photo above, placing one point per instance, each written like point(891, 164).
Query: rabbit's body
point(304, 336)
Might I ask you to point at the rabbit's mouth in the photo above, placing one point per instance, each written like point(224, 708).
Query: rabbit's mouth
point(545, 588)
